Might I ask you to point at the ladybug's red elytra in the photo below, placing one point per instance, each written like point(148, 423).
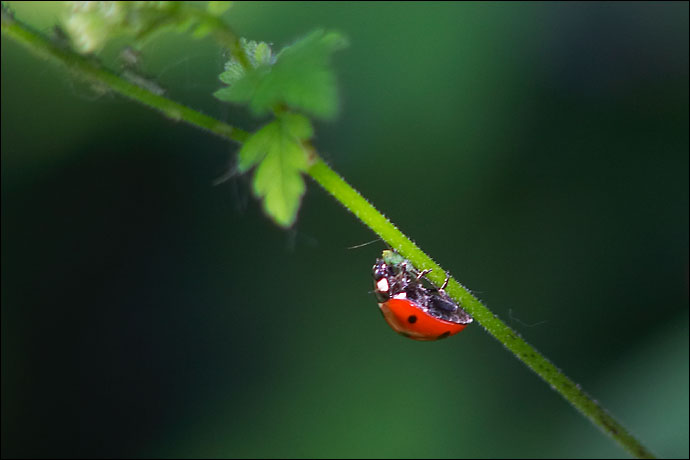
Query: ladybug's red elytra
point(411, 308)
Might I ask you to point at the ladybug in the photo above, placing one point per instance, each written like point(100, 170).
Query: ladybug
point(412, 308)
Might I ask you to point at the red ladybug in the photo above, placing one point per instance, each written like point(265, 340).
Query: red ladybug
point(412, 308)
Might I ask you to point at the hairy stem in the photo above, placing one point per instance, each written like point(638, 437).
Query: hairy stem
point(364, 211)
point(357, 205)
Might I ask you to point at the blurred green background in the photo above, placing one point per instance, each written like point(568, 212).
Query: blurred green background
point(537, 151)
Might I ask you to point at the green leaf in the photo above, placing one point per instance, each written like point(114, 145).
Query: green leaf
point(262, 54)
point(300, 77)
point(243, 84)
point(277, 149)
point(256, 147)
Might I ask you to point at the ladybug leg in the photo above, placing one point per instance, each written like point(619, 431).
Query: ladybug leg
point(445, 283)
point(402, 273)
point(423, 273)
point(400, 279)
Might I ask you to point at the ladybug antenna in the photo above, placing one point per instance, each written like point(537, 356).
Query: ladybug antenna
point(364, 244)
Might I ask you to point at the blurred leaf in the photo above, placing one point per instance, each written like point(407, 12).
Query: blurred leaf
point(242, 84)
point(300, 76)
point(262, 54)
point(202, 29)
point(218, 8)
point(277, 149)
point(91, 24)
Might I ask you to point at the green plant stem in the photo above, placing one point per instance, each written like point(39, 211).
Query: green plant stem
point(363, 210)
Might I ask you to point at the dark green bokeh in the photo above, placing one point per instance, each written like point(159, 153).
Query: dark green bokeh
point(538, 151)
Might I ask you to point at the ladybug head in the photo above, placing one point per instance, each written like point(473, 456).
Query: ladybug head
point(382, 283)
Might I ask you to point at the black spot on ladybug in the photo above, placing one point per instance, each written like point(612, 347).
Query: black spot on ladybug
point(444, 335)
point(412, 319)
